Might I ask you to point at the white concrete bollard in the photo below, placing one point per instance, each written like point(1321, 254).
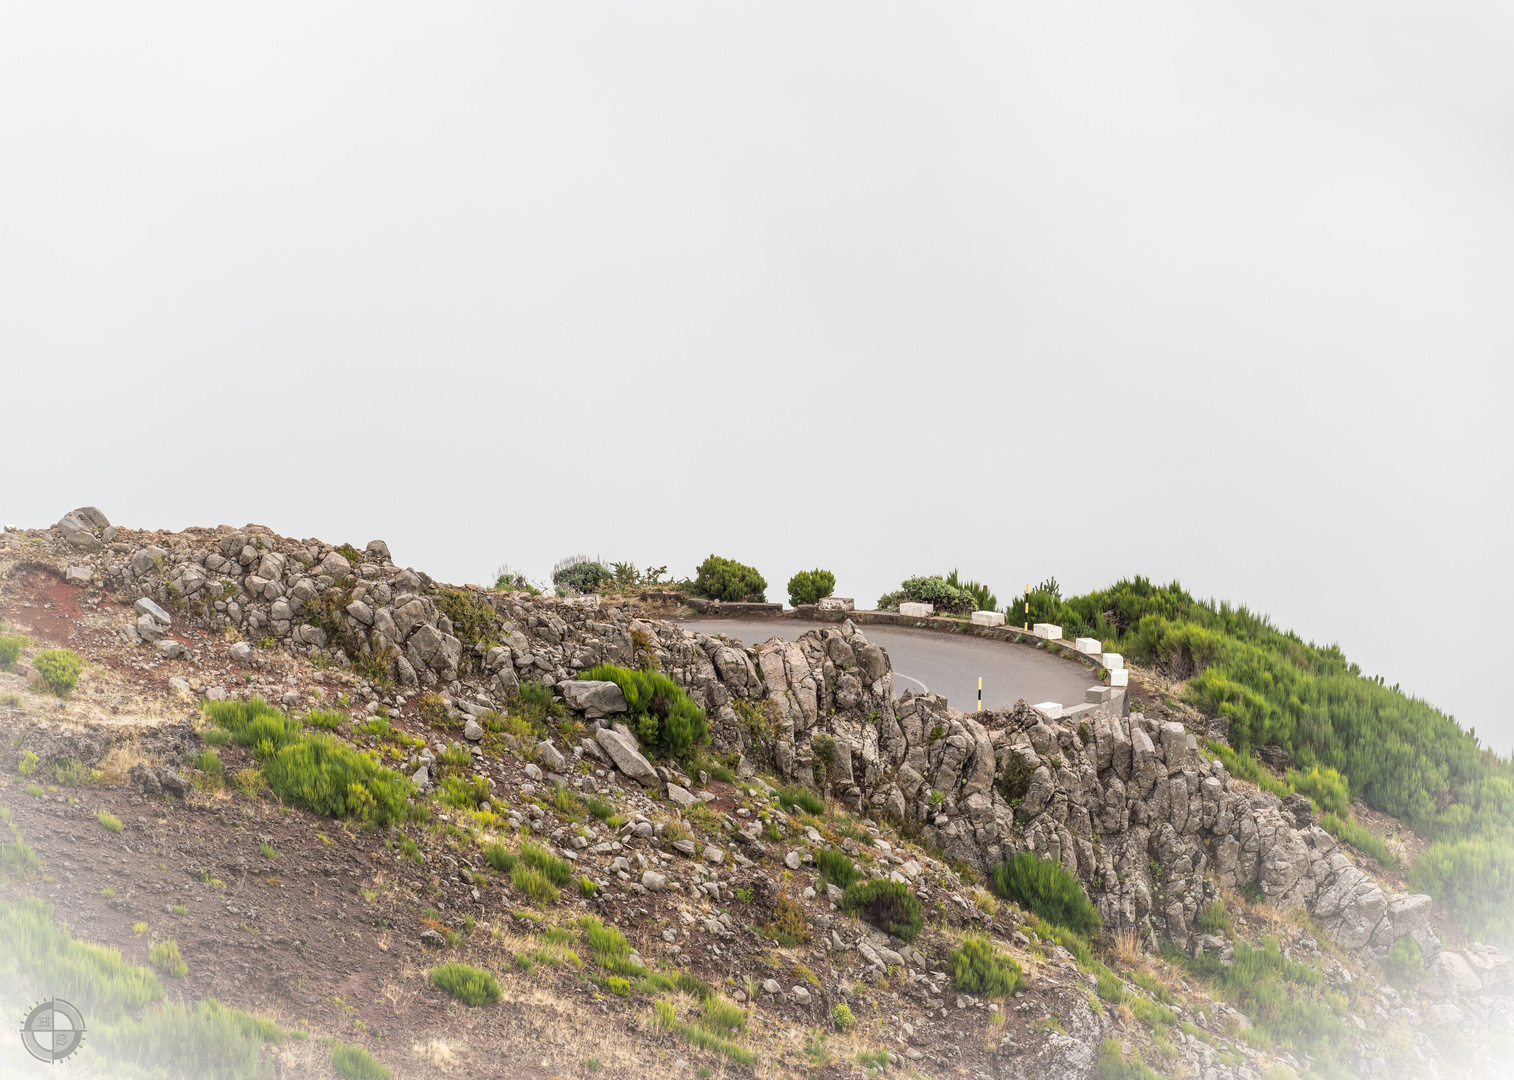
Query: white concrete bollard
point(1119, 677)
point(1113, 661)
point(1047, 630)
point(1089, 646)
point(1052, 710)
point(988, 618)
point(917, 611)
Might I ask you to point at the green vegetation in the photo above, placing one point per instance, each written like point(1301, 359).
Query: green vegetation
point(1352, 832)
point(28, 763)
point(355, 1063)
point(318, 772)
point(1213, 919)
point(165, 956)
point(1048, 889)
point(70, 772)
point(500, 857)
point(888, 905)
point(811, 586)
point(726, 579)
point(836, 868)
point(1404, 964)
point(325, 719)
point(808, 801)
point(109, 820)
point(10, 650)
point(666, 721)
point(17, 859)
point(1397, 753)
point(1326, 787)
point(979, 969)
point(470, 985)
point(267, 850)
point(841, 1016)
point(1114, 1066)
point(58, 669)
point(947, 598)
point(708, 1031)
point(580, 574)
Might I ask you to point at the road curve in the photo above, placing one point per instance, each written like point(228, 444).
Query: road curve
point(948, 664)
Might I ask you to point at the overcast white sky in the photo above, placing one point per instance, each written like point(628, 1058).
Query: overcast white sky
point(1204, 291)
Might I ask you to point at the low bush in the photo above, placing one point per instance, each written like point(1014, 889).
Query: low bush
point(609, 947)
point(1048, 889)
point(534, 884)
point(1404, 963)
point(58, 669)
point(71, 772)
point(470, 985)
point(553, 868)
point(808, 801)
point(500, 857)
point(836, 868)
point(165, 956)
point(943, 595)
point(888, 905)
point(10, 650)
point(355, 1063)
point(1350, 831)
point(666, 720)
point(1326, 787)
point(110, 821)
point(580, 574)
point(17, 861)
point(726, 579)
point(841, 1016)
point(1213, 919)
point(811, 586)
point(1113, 1065)
point(28, 763)
point(979, 969)
point(325, 719)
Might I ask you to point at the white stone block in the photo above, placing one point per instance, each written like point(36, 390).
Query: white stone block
point(988, 618)
point(1089, 646)
point(1113, 661)
point(917, 611)
point(1047, 630)
point(837, 603)
point(1119, 677)
point(1052, 710)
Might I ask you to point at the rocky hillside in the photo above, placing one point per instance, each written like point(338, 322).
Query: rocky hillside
point(822, 886)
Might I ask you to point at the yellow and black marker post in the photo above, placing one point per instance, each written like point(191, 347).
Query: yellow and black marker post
point(1027, 606)
point(980, 693)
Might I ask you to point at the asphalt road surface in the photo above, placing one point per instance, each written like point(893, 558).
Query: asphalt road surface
point(948, 664)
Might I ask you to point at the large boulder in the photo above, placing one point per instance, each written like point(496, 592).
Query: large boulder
point(593, 697)
point(628, 759)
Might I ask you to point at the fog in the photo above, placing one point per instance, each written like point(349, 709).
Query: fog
point(1193, 291)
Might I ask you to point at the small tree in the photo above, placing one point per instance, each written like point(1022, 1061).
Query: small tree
point(58, 669)
point(726, 579)
point(811, 586)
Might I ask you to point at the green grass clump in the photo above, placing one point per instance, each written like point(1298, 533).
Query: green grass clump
point(267, 850)
point(355, 1063)
point(1213, 919)
point(660, 711)
point(457, 754)
point(1404, 963)
point(1048, 889)
point(979, 969)
point(325, 719)
point(28, 763)
point(534, 884)
point(600, 808)
point(586, 887)
point(209, 1041)
point(209, 762)
point(836, 868)
point(165, 956)
point(1113, 1065)
point(500, 857)
point(1109, 988)
point(470, 985)
point(58, 670)
point(788, 798)
point(554, 869)
point(17, 860)
point(1350, 831)
point(566, 803)
point(1326, 787)
point(10, 650)
point(888, 905)
point(109, 820)
point(609, 947)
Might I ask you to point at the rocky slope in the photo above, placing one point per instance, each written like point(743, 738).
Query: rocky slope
point(696, 868)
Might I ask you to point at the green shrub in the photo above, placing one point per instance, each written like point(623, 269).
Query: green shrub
point(325, 719)
point(470, 985)
point(1404, 963)
point(1048, 889)
point(788, 798)
point(836, 867)
point(1112, 1065)
point(17, 860)
point(110, 821)
point(609, 947)
point(165, 956)
point(600, 808)
point(70, 772)
point(355, 1063)
point(10, 650)
point(554, 869)
point(580, 574)
point(888, 905)
point(811, 586)
point(28, 763)
point(208, 761)
point(534, 884)
point(500, 857)
point(979, 969)
point(666, 721)
point(1108, 987)
point(1474, 879)
point(1213, 919)
point(1326, 787)
point(946, 599)
point(208, 1041)
point(1363, 839)
point(841, 1016)
point(586, 887)
point(254, 724)
point(726, 579)
point(58, 669)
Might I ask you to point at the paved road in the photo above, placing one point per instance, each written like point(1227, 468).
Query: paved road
point(946, 663)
